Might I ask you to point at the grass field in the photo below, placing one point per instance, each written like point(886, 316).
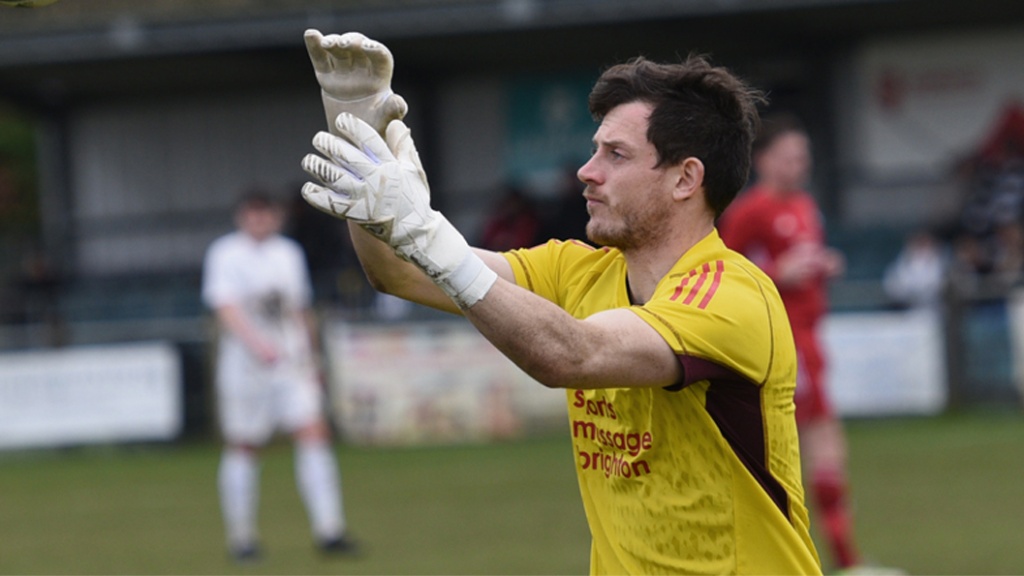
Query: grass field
point(933, 496)
point(941, 496)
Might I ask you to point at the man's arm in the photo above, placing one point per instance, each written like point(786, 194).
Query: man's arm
point(610, 349)
point(388, 273)
point(405, 246)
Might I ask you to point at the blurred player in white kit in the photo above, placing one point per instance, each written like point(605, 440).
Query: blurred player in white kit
point(267, 377)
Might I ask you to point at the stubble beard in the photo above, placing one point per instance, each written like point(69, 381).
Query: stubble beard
point(635, 229)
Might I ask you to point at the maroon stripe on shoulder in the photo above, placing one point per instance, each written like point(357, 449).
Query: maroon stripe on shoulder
point(719, 268)
point(734, 404)
point(701, 274)
point(679, 289)
point(700, 282)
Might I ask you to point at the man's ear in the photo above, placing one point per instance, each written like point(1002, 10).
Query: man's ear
point(689, 178)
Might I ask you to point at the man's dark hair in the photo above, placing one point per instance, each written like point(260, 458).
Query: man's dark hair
point(699, 110)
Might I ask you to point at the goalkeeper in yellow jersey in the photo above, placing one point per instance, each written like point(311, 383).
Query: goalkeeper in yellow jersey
point(674, 351)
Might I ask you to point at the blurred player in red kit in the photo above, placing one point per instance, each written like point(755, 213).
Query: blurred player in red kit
point(777, 224)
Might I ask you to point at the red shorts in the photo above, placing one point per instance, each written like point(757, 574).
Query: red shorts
point(811, 395)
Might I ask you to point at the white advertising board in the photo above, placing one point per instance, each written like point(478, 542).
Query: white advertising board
point(431, 383)
point(886, 363)
point(927, 100)
point(910, 108)
point(73, 396)
point(442, 382)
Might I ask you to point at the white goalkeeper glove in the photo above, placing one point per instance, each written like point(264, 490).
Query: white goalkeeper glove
point(354, 73)
point(381, 186)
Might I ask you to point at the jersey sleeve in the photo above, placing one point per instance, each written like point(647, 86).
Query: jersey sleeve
point(721, 318)
point(546, 268)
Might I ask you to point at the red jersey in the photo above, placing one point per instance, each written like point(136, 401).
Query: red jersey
point(762, 226)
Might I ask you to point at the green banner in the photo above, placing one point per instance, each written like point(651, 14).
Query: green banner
point(549, 130)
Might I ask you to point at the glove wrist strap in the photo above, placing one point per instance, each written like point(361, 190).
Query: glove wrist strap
point(469, 282)
point(443, 254)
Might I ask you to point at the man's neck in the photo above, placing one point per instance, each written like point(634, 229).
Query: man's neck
point(645, 267)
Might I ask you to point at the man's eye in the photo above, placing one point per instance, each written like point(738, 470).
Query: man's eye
point(610, 152)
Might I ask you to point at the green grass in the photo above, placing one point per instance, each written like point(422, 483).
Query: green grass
point(502, 509)
point(941, 496)
point(932, 496)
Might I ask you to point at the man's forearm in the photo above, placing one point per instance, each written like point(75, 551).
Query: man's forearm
point(388, 273)
point(535, 334)
point(611, 349)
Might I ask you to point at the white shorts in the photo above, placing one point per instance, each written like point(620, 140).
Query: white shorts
point(253, 403)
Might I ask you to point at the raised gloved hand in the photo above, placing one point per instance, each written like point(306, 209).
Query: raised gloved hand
point(381, 186)
point(354, 73)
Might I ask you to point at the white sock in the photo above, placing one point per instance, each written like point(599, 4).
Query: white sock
point(238, 481)
point(316, 473)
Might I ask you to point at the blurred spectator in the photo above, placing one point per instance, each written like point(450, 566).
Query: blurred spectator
point(10, 299)
point(41, 286)
point(514, 222)
point(969, 262)
point(990, 244)
point(1007, 252)
point(915, 279)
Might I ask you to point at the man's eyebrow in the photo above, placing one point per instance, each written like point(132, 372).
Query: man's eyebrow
point(612, 143)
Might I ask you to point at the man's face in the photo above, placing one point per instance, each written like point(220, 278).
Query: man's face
point(628, 199)
point(786, 163)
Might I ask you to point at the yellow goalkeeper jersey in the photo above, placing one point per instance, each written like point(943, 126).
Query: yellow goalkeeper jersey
point(702, 477)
